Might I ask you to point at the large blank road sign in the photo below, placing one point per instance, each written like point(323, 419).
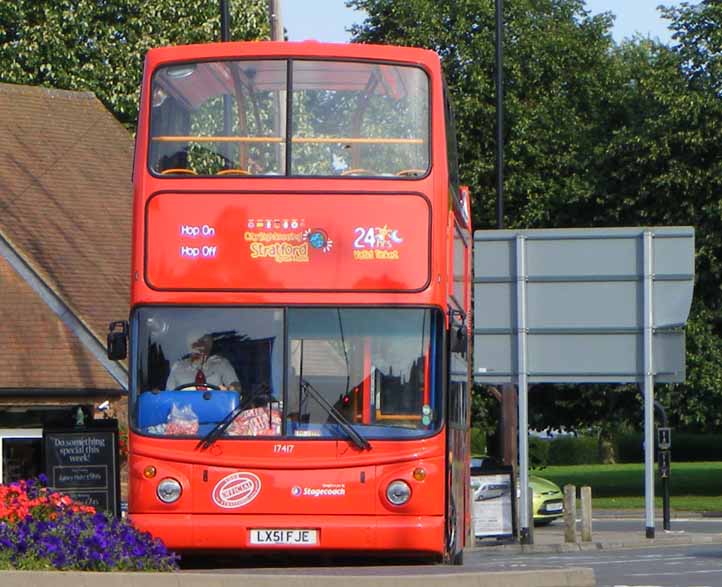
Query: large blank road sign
point(574, 302)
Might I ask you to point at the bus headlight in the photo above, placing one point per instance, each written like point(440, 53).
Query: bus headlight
point(168, 490)
point(398, 492)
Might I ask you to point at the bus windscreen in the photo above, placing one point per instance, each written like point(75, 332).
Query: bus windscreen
point(288, 372)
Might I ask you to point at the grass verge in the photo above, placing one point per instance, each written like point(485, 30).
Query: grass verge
point(693, 487)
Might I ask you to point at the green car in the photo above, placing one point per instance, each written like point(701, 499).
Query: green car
point(547, 498)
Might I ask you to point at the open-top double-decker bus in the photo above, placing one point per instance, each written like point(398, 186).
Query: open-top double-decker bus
point(300, 302)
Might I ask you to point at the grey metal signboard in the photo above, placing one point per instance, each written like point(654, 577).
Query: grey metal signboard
point(575, 300)
point(582, 306)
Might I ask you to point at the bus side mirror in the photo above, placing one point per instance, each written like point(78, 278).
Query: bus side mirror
point(118, 340)
point(459, 339)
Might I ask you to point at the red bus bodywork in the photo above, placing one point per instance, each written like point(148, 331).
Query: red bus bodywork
point(206, 242)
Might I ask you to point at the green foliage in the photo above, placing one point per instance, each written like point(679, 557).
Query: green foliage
point(538, 452)
point(596, 134)
point(681, 503)
point(478, 441)
point(628, 479)
point(573, 450)
point(100, 46)
point(686, 447)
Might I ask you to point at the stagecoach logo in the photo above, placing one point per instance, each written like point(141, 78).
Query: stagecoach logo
point(325, 490)
point(236, 490)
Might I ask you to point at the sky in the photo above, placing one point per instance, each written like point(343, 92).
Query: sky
point(326, 20)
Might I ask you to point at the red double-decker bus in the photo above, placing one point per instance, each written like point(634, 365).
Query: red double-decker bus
point(300, 302)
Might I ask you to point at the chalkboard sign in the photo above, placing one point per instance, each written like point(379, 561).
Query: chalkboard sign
point(82, 462)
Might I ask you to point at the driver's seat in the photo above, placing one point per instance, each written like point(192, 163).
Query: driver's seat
point(211, 405)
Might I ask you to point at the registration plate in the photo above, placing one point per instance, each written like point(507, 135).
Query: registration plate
point(554, 507)
point(292, 537)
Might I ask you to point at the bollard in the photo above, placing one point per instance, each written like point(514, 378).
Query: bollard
point(586, 514)
point(530, 492)
point(570, 513)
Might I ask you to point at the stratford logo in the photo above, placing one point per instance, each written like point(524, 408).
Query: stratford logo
point(236, 490)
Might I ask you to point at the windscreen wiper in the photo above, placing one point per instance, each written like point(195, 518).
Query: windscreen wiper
point(339, 418)
point(223, 425)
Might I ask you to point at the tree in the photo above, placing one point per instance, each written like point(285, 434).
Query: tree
point(99, 46)
point(557, 59)
point(597, 135)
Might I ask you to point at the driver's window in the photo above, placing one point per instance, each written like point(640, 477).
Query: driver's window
point(197, 364)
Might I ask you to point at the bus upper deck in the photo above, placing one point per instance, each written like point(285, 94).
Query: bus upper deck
point(354, 140)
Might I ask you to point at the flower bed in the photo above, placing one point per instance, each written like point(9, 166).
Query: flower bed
point(42, 529)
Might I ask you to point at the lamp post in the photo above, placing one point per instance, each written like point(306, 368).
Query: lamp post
point(499, 114)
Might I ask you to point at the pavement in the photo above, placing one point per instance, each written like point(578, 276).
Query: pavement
point(550, 539)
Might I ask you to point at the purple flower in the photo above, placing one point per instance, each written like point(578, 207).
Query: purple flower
point(73, 540)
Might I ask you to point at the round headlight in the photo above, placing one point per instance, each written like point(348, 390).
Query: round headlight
point(168, 490)
point(398, 492)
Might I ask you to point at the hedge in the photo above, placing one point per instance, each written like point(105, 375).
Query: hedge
point(686, 447)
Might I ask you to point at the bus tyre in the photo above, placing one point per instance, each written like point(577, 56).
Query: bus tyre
point(452, 557)
point(458, 558)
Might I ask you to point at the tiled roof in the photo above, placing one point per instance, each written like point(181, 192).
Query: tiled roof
point(65, 206)
point(38, 350)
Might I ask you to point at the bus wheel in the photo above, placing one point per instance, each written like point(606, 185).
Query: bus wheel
point(452, 557)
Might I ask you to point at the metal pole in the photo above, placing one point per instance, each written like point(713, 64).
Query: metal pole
point(279, 98)
point(663, 464)
point(225, 22)
point(525, 534)
point(274, 19)
point(666, 524)
point(226, 150)
point(648, 386)
point(499, 114)
point(663, 458)
point(509, 400)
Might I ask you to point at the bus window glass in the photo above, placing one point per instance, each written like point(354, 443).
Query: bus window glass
point(195, 365)
point(376, 367)
point(218, 118)
point(352, 118)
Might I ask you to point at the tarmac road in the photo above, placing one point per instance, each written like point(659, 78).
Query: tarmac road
point(549, 562)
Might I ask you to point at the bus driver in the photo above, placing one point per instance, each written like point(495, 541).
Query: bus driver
point(202, 370)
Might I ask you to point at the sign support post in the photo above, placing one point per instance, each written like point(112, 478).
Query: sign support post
point(648, 385)
point(525, 535)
